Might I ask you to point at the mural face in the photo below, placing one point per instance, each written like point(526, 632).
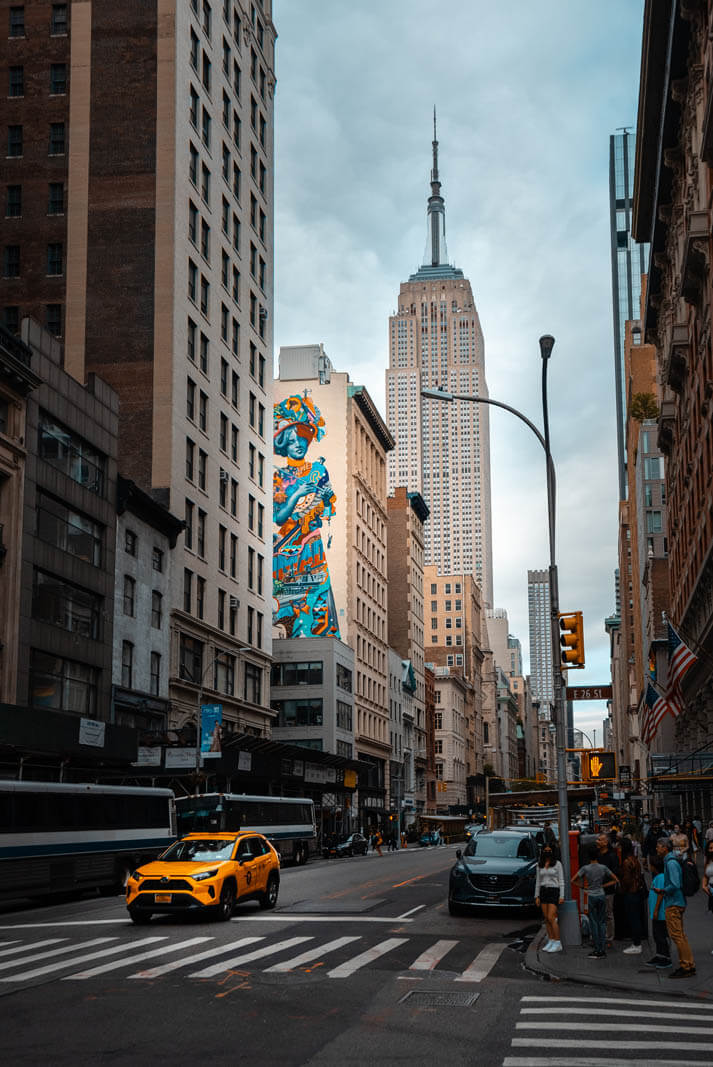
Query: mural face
point(303, 500)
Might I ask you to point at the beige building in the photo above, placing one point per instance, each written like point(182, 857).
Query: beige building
point(442, 449)
point(451, 737)
point(353, 442)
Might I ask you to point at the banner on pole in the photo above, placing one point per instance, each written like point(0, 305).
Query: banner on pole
point(211, 730)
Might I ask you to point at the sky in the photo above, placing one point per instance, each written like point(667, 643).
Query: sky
point(527, 95)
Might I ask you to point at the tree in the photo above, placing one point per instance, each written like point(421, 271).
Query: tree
point(643, 407)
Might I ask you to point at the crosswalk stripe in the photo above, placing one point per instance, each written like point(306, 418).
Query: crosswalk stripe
point(186, 961)
point(114, 965)
point(482, 965)
point(39, 971)
point(7, 964)
point(371, 954)
point(640, 1046)
point(591, 1061)
point(10, 942)
point(311, 954)
point(237, 961)
point(29, 948)
point(433, 955)
point(681, 1005)
point(630, 1027)
point(606, 1011)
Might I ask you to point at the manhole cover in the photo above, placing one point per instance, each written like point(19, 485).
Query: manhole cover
point(423, 999)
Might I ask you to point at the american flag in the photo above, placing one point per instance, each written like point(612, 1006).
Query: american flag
point(656, 707)
point(680, 657)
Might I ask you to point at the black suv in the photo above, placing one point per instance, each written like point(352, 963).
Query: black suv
point(496, 868)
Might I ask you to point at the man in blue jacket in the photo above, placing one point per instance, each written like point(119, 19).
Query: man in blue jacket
point(672, 850)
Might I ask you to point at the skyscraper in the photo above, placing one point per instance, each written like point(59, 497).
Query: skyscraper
point(629, 262)
point(139, 176)
point(538, 599)
point(442, 450)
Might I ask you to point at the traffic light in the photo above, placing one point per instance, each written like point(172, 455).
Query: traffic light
point(598, 766)
point(572, 639)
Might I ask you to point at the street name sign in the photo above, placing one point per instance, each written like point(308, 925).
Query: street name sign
point(589, 692)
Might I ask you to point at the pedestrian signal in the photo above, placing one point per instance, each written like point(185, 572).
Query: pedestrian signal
point(572, 639)
point(598, 766)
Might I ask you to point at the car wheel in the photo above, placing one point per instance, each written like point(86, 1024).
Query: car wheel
point(453, 908)
point(269, 898)
point(226, 905)
point(141, 918)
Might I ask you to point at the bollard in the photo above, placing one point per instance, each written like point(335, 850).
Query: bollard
point(570, 931)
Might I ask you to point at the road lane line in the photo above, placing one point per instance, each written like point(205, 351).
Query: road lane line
point(411, 911)
point(40, 971)
point(31, 946)
point(606, 1011)
point(591, 1061)
point(637, 1046)
point(483, 964)
point(371, 954)
point(186, 961)
point(7, 964)
point(648, 1027)
point(416, 878)
point(311, 954)
point(680, 1005)
point(115, 965)
point(247, 957)
point(433, 955)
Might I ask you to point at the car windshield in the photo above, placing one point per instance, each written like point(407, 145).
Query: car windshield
point(203, 851)
point(487, 845)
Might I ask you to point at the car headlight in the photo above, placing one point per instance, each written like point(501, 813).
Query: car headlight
point(203, 875)
point(457, 872)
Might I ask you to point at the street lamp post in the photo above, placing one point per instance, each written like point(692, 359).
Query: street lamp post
point(569, 920)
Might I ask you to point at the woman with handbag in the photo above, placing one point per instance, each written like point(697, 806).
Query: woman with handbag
point(549, 893)
point(632, 886)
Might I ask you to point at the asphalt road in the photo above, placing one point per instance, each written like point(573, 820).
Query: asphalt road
point(359, 964)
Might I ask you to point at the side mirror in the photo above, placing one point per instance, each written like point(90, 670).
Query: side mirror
point(458, 853)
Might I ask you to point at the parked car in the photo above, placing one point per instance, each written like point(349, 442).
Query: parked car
point(206, 873)
point(354, 845)
point(429, 837)
point(472, 829)
point(497, 867)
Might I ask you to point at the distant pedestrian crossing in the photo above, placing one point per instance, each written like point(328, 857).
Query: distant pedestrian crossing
point(587, 1031)
point(206, 957)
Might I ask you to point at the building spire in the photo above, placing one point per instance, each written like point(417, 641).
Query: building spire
point(436, 252)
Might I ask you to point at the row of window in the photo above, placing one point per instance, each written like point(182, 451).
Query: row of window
point(13, 201)
point(56, 144)
point(127, 668)
point(57, 80)
point(191, 669)
point(52, 318)
point(54, 262)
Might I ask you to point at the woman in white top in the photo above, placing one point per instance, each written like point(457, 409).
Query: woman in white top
point(707, 882)
point(549, 893)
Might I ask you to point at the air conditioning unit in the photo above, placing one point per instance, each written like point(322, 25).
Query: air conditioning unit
point(234, 603)
point(263, 313)
point(224, 476)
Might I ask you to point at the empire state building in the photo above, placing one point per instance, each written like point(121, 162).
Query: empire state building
point(442, 449)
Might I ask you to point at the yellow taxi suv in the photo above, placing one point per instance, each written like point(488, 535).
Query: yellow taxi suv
point(208, 873)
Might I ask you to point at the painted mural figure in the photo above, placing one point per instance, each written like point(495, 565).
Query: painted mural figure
point(302, 499)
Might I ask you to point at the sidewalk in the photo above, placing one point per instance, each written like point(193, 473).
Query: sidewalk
point(618, 971)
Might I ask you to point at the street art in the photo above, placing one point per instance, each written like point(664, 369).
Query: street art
point(303, 500)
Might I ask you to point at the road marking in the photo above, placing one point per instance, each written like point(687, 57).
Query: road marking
point(639, 1046)
point(247, 957)
point(433, 955)
point(6, 964)
point(606, 1011)
point(31, 946)
point(39, 971)
point(680, 1005)
point(66, 922)
point(416, 878)
point(278, 917)
point(185, 961)
point(10, 942)
point(483, 964)
point(647, 1027)
point(411, 912)
point(114, 965)
point(311, 954)
point(371, 954)
point(591, 1061)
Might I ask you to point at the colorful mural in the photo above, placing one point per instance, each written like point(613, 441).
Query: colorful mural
point(302, 500)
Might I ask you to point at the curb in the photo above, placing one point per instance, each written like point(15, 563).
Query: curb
point(536, 965)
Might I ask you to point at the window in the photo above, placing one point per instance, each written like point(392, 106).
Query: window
point(190, 450)
point(188, 531)
point(62, 684)
point(192, 280)
point(233, 497)
point(653, 522)
point(233, 555)
point(58, 25)
point(252, 685)
point(57, 139)
point(206, 74)
point(203, 352)
point(205, 295)
point(14, 140)
point(54, 259)
point(205, 129)
point(308, 672)
point(223, 439)
point(203, 411)
point(187, 589)
point(202, 463)
point(190, 659)
point(67, 606)
point(157, 559)
point(200, 533)
point(205, 183)
point(156, 612)
point(235, 389)
point(434, 590)
point(130, 542)
point(17, 21)
point(224, 671)
point(307, 711)
point(234, 443)
point(193, 107)
point(222, 536)
point(344, 678)
point(55, 205)
point(155, 685)
point(67, 452)
point(58, 79)
point(69, 530)
point(190, 399)
point(251, 568)
point(205, 240)
point(200, 597)
point(53, 319)
point(129, 596)
point(11, 261)
point(193, 165)
point(127, 664)
point(16, 81)
point(11, 316)
point(192, 222)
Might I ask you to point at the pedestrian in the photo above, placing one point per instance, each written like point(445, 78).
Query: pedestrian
point(549, 893)
point(608, 857)
point(652, 836)
point(662, 959)
point(378, 842)
point(690, 831)
point(672, 851)
point(597, 878)
point(632, 887)
point(550, 838)
point(707, 880)
point(392, 842)
point(709, 832)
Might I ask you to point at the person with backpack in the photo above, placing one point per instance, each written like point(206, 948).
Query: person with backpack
point(677, 880)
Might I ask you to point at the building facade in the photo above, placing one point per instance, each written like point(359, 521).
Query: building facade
point(451, 737)
point(312, 692)
point(442, 450)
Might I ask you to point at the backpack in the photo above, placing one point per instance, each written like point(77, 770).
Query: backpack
point(690, 880)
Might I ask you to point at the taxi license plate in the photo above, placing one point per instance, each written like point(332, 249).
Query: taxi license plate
point(163, 898)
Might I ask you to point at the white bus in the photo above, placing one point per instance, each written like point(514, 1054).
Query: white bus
point(59, 838)
point(287, 822)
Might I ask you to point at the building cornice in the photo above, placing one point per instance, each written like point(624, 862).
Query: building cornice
point(371, 413)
